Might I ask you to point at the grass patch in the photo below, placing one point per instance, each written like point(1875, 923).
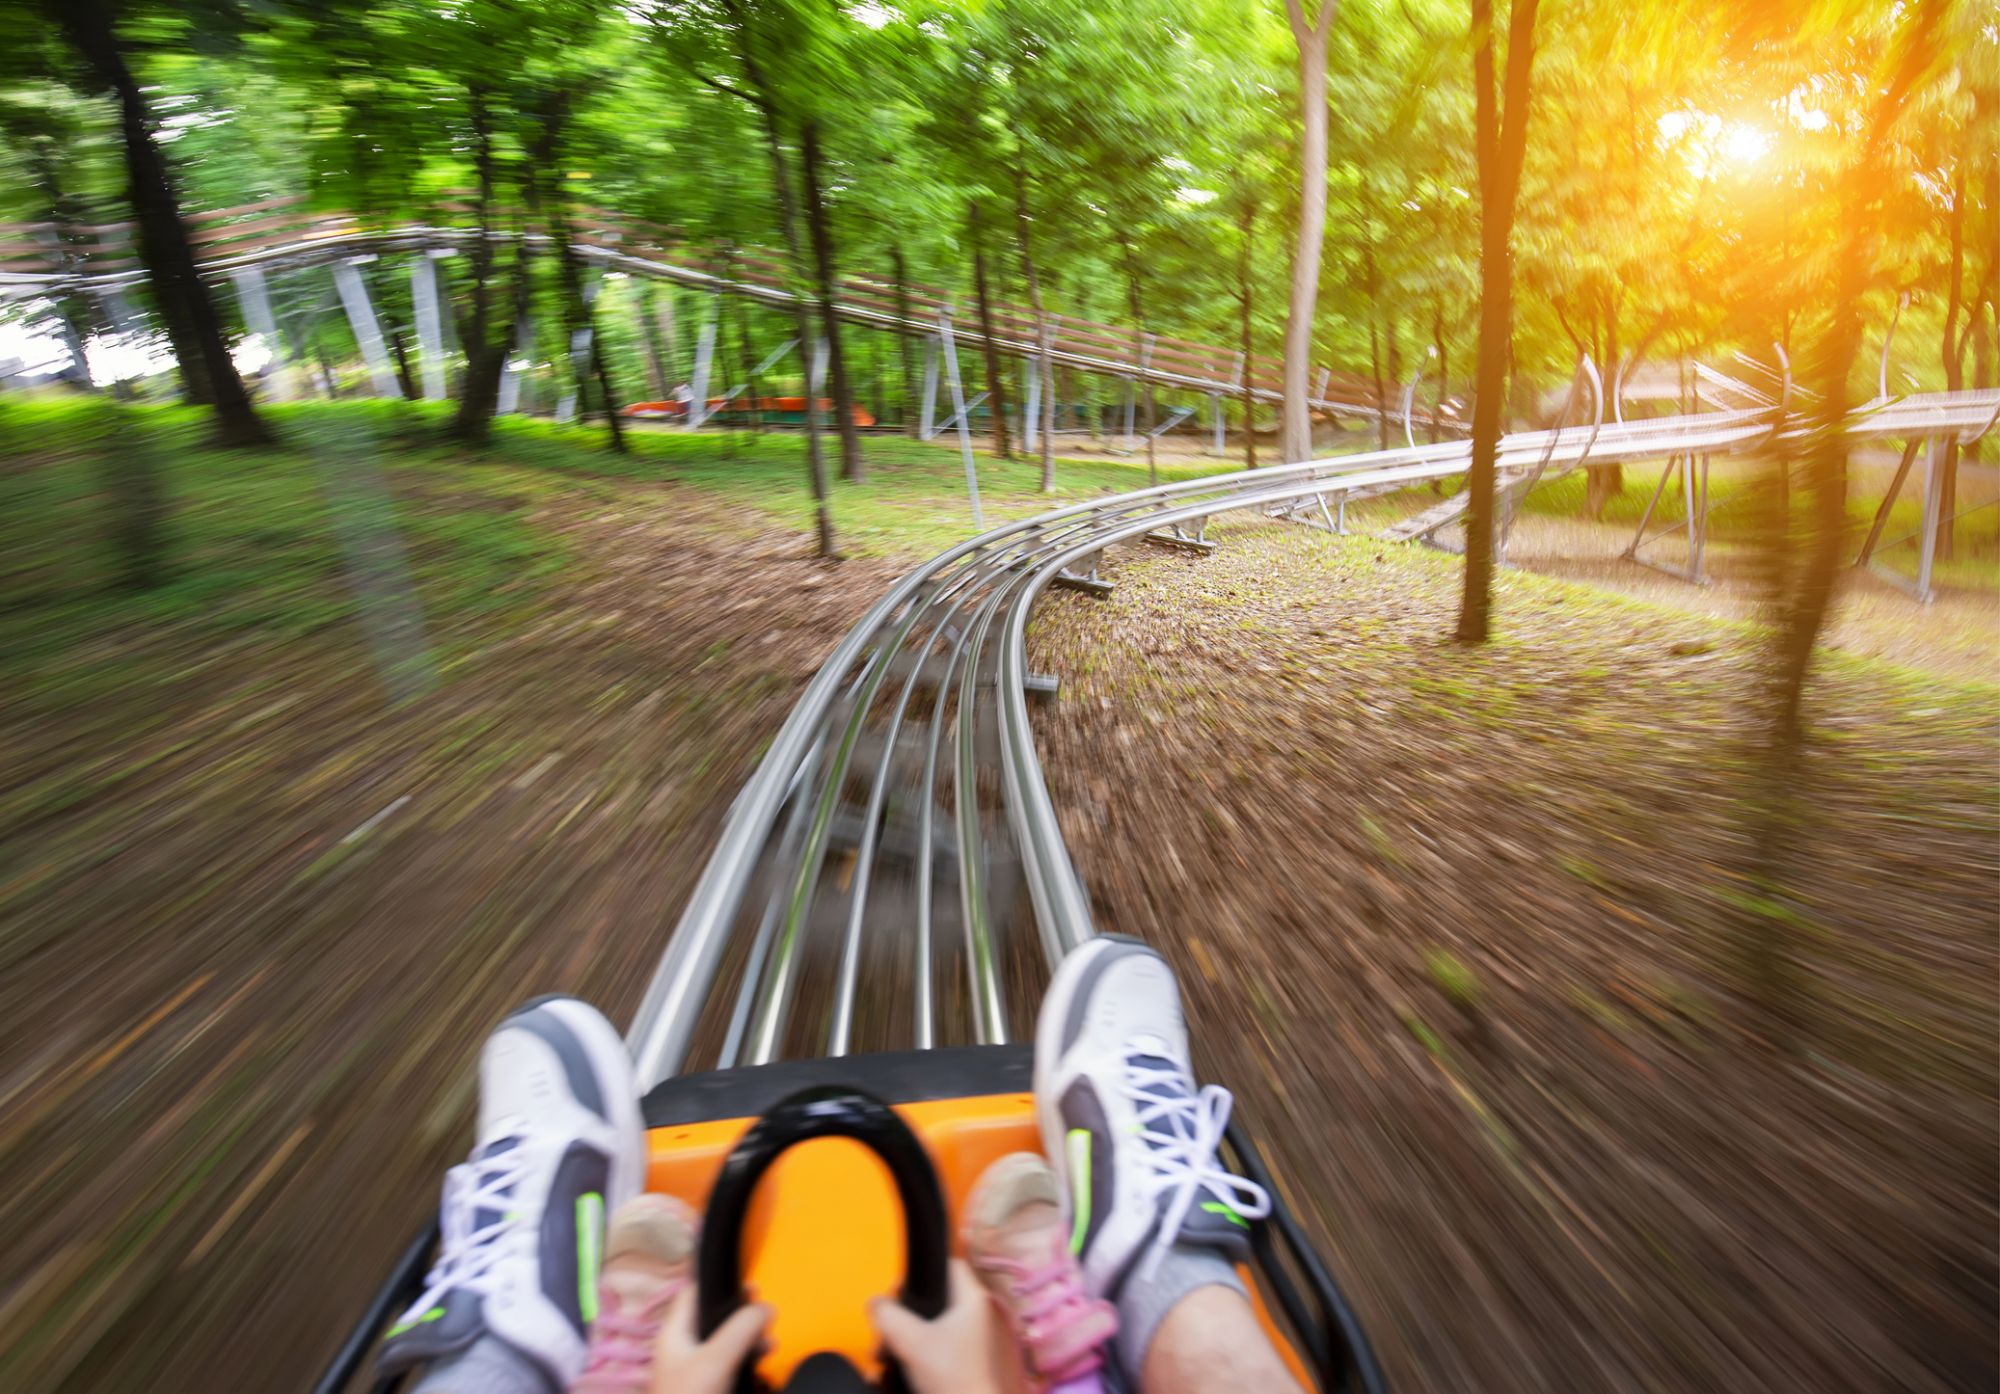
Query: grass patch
point(258, 543)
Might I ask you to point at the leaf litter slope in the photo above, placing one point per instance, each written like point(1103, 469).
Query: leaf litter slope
point(1462, 928)
point(249, 959)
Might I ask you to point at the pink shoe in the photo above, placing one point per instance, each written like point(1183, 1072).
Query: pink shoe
point(648, 1255)
point(1015, 1239)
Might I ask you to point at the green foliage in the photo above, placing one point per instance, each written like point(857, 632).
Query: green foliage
point(1678, 195)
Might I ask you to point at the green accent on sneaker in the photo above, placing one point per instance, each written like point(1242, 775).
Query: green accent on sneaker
point(589, 1251)
point(1216, 1207)
point(1079, 1186)
point(434, 1314)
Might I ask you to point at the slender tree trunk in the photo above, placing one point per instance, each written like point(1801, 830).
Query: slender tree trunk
point(1245, 290)
point(1603, 483)
point(1295, 437)
point(391, 335)
point(1502, 141)
point(996, 381)
point(484, 359)
point(820, 226)
point(1395, 376)
point(193, 325)
point(1372, 281)
point(1805, 613)
point(1136, 303)
point(1439, 350)
point(1954, 361)
point(900, 272)
point(788, 217)
point(550, 201)
point(1046, 425)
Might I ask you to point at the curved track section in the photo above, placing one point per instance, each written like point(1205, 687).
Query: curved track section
point(893, 873)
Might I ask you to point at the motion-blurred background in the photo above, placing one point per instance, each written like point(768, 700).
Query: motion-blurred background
point(440, 438)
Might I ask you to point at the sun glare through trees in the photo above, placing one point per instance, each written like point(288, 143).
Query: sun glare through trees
point(1340, 645)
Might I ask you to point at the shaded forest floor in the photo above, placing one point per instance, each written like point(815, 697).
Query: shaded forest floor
point(255, 917)
point(1469, 932)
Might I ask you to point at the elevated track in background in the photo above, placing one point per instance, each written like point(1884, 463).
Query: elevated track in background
point(44, 260)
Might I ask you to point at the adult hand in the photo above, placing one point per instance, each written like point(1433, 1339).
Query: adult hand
point(956, 1353)
point(683, 1363)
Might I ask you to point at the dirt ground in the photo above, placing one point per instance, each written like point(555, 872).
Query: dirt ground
point(250, 955)
point(1471, 934)
point(1479, 913)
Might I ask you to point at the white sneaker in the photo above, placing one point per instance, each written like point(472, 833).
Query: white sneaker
point(1122, 1120)
point(559, 1146)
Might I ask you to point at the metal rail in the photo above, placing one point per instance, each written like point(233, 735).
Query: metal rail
point(956, 630)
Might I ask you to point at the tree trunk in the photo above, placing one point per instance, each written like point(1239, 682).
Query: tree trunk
point(1295, 439)
point(551, 204)
point(391, 335)
point(484, 360)
point(788, 218)
point(1502, 138)
point(996, 381)
point(1604, 483)
point(1135, 304)
point(900, 271)
point(1048, 394)
point(193, 325)
point(820, 226)
point(1954, 361)
point(1373, 282)
point(1245, 288)
point(1805, 610)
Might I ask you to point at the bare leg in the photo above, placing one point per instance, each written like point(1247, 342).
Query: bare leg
point(1210, 1341)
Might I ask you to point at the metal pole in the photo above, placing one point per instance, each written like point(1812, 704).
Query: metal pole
point(1410, 401)
point(1910, 450)
point(1698, 528)
point(972, 404)
point(704, 353)
point(1031, 417)
point(1927, 539)
point(430, 325)
point(964, 426)
point(926, 426)
point(669, 334)
point(510, 376)
point(1131, 405)
point(361, 316)
point(255, 298)
point(1639, 534)
point(1882, 373)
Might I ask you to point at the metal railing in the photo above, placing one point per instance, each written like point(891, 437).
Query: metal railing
point(39, 260)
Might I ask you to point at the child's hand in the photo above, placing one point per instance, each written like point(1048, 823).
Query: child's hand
point(954, 1354)
point(685, 1364)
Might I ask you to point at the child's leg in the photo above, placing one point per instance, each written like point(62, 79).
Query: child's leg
point(1158, 1223)
point(558, 1146)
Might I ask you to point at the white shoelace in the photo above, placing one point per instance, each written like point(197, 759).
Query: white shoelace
point(1184, 1130)
point(468, 1250)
